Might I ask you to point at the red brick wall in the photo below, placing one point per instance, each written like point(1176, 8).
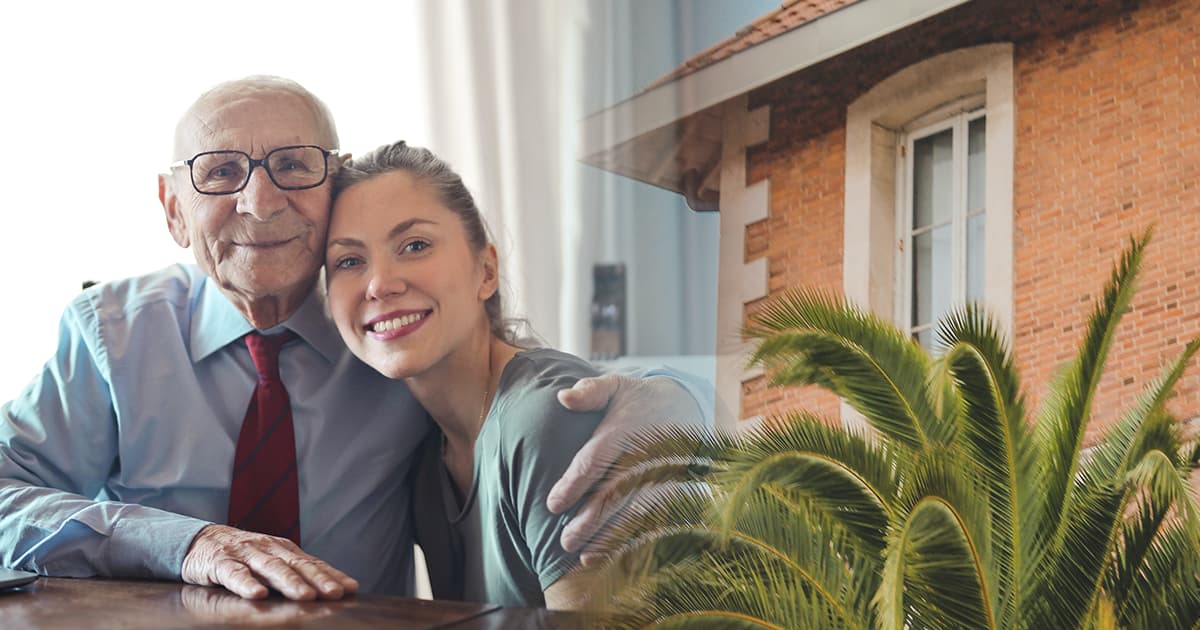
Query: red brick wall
point(1107, 144)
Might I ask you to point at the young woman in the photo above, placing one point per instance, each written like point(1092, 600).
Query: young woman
point(412, 283)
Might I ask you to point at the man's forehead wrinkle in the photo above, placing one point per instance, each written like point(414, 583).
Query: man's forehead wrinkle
point(210, 126)
point(207, 129)
point(197, 123)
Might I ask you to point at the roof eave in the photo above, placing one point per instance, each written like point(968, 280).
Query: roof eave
point(633, 137)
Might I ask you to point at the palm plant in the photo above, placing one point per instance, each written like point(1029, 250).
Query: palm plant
point(953, 510)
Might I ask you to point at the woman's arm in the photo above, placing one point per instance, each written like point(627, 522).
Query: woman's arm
point(566, 593)
point(537, 439)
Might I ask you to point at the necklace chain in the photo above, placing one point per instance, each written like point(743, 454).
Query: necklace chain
point(487, 382)
point(484, 407)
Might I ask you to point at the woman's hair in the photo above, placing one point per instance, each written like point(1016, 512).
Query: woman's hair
point(428, 168)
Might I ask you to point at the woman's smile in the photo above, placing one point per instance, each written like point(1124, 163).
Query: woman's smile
point(395, 325)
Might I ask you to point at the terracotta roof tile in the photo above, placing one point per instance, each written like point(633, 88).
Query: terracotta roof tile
point(789, 15)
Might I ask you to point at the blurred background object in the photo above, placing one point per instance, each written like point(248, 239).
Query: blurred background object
point(497, 87)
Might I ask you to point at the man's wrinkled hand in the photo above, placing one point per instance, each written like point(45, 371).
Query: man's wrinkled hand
point(632, 403)
point(248, 564)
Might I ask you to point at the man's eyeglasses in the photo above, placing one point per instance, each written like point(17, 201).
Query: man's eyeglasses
point(290, 168)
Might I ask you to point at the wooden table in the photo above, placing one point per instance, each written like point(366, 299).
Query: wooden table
point(97, 604)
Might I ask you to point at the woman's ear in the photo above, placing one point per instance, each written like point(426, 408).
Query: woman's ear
point(490, 263)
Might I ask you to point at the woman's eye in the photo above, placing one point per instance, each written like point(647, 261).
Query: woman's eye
point(347, 263)
point(416, 246)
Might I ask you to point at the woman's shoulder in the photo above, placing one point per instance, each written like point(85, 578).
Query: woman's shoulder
point(546, 367)
point(528, 398)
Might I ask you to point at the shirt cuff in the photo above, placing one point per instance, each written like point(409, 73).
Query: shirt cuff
point(134, 540)
point(154, 545)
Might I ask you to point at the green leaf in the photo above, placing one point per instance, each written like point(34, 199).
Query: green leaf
point(950, 513)
point(1061, 428)
point(1073, 571)
point(994, 433)
point(808, 337)
point(1145, 427)
point(1163, 588)
point(933, 577)
point(838, 473)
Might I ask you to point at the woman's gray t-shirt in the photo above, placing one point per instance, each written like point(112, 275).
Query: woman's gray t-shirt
point(501, 544)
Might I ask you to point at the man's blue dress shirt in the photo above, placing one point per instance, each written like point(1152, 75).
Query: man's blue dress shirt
point(120, 450)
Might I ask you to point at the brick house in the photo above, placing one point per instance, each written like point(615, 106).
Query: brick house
point(915, 154)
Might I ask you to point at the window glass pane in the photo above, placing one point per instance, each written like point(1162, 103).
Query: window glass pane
point(975, 172)
point(932, 278)
point(933, 190)
point(975, 250)
point(925, 338)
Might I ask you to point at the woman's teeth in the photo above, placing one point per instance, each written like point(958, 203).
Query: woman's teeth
point(398, 322)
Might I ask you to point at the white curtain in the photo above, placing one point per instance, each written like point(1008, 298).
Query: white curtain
point(502, 91)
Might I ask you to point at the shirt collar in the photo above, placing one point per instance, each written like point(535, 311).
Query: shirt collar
point(216, 323)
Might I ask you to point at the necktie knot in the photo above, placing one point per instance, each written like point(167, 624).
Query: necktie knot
point(264, 351)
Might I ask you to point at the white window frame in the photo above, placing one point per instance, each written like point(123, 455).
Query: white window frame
point(874, 124)
point(957, 118)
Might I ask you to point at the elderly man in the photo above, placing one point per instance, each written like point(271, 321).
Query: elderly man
point(135, 445)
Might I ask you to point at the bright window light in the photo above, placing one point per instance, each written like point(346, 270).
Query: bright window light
point(92, 92)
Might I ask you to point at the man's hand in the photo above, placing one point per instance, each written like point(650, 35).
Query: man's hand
point(248, 563)
point(632, 403)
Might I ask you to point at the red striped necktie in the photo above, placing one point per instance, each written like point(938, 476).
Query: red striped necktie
point(264, 495)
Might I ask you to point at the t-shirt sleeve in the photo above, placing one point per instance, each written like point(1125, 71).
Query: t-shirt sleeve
point(540, 438)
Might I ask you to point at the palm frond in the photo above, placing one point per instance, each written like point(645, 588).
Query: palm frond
point(755, 594)
point(951, 513)
point(1061, 427)
point(1164, 483)
point(809, 337)
point(669, 453)
point(1171, 560)
point(1190, 452)
point(831, 487)
point(937, 565)
point(657, 508)
point(933, 577)
point(1099, 547)
point(994, 433)
point(1146, 426)
point(835, 472)
point(676, 440)
point(815, 552)
point(1104, 616)
point(1154, 551)
point(725, 576)
point(1071, 573)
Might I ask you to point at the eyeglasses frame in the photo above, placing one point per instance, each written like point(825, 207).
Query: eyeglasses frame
point(254, 163)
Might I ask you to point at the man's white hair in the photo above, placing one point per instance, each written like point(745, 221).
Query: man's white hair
point(256, 84)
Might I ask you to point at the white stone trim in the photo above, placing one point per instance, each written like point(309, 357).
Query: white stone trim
point(738, 282)
point(873, 121)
